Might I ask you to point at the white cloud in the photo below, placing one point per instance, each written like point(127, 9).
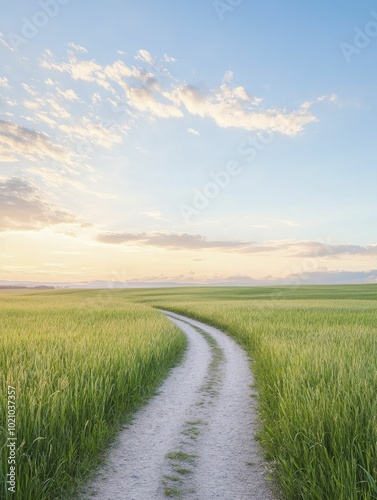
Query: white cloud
point(192, 131)
point(56, 109)
point(53, 105)
point(333, 98)
point(91, 132)
point(78, 48)
point(15, 139)
point(169, 59)
point(30, 90)
point(4, 82)
point(144, 100)
point(96, 98)
point(31, 104)
point(11, 102)
point(145, 56)
point(155, 93)
point(69, 94)
point(306, 105)
point(46, 119)
point(87, 71)
point(233, 107)
point(117, 71)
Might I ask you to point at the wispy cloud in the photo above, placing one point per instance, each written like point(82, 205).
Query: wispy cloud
point(169, 59)
point(120, 238)
point(7, 157)
point(234, 107)
point(154, 214)
point(91, 132)
point(24, 206)
point(288, 248)
point(4, 82)
point(153, 92)
point(313, 248)
point(145, 100)
point(228, 77)
point(58, 109)
point(145, 56)
point(77, 47)
point(331, 98)
point(5, 43)
point(69, 94)
point(85, 70)
point(192, 131)
point(11, 102)
point(140, 87)
point(65, 177)
point(172, 241)
point(15, 139)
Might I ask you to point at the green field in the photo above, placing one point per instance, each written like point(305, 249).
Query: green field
point(80, 363)
point(80, 360)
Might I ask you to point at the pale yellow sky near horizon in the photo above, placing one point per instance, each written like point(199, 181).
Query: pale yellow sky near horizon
point(49, 256)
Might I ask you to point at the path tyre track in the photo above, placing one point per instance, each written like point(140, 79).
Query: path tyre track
point(195, 438)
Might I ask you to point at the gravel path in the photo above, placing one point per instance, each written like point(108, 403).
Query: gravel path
point(194, 439)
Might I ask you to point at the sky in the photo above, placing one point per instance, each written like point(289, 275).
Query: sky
point(200, 141)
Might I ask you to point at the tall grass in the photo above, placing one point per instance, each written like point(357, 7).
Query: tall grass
point(80, 366)
point(81, 361)
point(315, 363)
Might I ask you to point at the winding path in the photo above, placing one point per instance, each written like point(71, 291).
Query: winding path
point(194, 439)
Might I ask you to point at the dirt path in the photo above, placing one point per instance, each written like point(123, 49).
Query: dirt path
point(194, 439)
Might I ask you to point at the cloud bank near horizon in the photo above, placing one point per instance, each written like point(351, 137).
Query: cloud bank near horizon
point(292, 280)
point(190, 242)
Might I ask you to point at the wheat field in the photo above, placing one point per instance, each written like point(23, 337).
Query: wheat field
point(80, 364)
point(82, 361)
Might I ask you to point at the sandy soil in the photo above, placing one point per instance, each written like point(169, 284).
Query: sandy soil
point(194, 439)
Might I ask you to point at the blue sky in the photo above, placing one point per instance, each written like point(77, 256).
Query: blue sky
point(116, 117)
